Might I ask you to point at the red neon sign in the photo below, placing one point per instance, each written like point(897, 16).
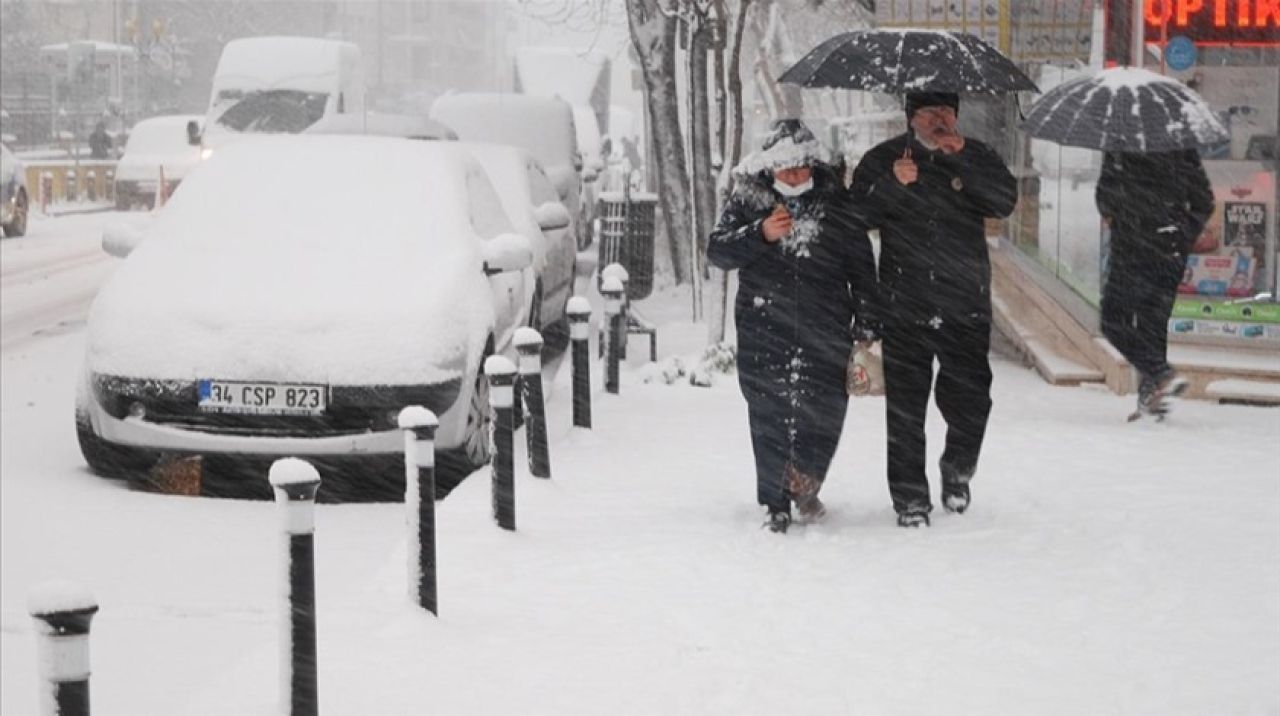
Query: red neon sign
point(1214, 21)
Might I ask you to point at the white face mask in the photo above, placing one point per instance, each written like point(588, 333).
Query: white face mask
point(787, 190)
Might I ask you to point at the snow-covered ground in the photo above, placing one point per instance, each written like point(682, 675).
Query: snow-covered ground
point(1105, 567)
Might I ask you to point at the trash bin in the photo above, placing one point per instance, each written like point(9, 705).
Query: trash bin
point(627, 236)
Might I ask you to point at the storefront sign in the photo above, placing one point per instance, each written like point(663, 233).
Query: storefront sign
point(1180, 53)
point(1235, 22)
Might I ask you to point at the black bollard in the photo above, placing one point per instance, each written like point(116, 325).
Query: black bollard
point(419, 426)
point(579, 311)
point(529, 347)
point(295, 483)
point(63, 611)
point(502, 376)
point(612, 289)
point(620, 271)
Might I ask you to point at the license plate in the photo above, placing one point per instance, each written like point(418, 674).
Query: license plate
point(225, 396)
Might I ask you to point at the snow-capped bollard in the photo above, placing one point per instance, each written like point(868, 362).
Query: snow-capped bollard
point(620, 271)
point(612, 290)
point(529, 346)
point(62, 611)
point(579, 311)
point(502, 377)
point(295, 483)
point(419, 426)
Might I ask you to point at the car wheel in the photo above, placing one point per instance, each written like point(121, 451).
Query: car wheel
point(453, 466)
point(110, 460)
point(18, 227)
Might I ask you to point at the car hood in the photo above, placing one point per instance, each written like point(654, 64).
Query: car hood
point(339, 317)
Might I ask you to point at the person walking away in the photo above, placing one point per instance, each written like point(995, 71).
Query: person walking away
point(805, 269)
point(100, 142)
point(1157, 205)
point(929, 192)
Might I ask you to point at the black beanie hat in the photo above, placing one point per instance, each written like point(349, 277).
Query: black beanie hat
point(916, 100)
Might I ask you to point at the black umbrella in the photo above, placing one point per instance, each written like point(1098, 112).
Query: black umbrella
point(898, 61)
point(1125, 110)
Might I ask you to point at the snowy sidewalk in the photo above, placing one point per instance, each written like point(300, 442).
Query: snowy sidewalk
point(1103, 568)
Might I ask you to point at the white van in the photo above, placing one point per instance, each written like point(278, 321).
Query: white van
point(542, 126)
point(281, 85)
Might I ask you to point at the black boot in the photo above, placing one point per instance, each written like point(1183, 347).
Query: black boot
point(955, 488)
point(779, 521)
point(913, 519)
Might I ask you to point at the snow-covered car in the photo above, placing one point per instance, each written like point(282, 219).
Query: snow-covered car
point(542, 126)
point(155, 144)
point(530, 199)
point(379, 124)
point(15, 202)
point(256, 318)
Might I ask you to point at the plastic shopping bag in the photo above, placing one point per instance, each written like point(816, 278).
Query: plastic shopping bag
point(865, 373)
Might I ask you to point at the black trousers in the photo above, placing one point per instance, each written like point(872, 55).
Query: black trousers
point(963, 394)
point(801, 426)
point(1136, 304)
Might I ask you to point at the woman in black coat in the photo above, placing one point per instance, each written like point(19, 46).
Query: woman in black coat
point(805, 268)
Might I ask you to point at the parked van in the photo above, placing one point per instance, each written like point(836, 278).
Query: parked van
point(542, 126)
point(156, 144)
point(281, 85)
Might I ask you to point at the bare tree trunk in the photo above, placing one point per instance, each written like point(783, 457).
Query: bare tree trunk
point(734, 155)
point(653, 36)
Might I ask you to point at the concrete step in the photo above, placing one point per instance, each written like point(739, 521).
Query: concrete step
point(1038, 338)
point(1238, 390)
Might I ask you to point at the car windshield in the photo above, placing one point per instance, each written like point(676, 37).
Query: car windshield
point(275, 111)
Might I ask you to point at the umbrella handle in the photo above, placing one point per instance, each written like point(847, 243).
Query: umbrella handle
point(906, 151)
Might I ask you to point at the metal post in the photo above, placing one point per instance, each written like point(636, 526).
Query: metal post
point(579, 312)
point(419, 426)
point(529, 346)
point(502, 376)
point(612, 291)
point(618, 270)
point(295, 483)
point(62, 612)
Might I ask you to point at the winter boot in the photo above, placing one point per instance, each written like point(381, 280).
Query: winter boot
point(1171, 385)
point(913, 519)
point(955, 489)
point(1150, 400)
point(804, 489)
point(778, 522)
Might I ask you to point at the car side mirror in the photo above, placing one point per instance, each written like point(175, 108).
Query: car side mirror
point(193, 133)
point(505, 253)
point(120, 239)
point(552, 216)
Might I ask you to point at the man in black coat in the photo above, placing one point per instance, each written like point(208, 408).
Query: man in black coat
point(1156, 204)
point(928, 192)
point(805, 267)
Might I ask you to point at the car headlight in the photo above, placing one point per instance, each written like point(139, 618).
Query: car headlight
point(206, 152)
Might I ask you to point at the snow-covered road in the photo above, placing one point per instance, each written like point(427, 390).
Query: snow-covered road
point(49, 277)
point(1104, 568)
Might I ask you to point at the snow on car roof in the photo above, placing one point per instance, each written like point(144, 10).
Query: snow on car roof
point(338, 259)
point(161, 135)
point(383, 125)
point(541, 125)
point(266, 61)
point(286, 188)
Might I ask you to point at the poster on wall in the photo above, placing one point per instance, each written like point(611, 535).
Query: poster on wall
point(1227, 273)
